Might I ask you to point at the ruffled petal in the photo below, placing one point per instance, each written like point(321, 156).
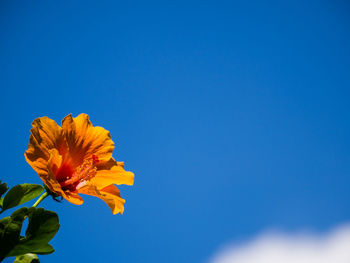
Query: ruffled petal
point(84, 140)
point(53, 165)
point(73, 198)
point(112, 172)
point(45, 135)
point(109, 194)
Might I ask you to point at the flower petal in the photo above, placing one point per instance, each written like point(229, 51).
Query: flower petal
point(84, 140)
point(73, 198)
point(45, 135)
point(53, 165)
point(112, 172)
point(109, 194)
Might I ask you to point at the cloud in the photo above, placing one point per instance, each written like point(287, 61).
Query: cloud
point(277, 247)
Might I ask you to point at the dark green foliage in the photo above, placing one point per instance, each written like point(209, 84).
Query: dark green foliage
point(20, 194)
point(10, 229)
point(3, 189)
point(42, 227)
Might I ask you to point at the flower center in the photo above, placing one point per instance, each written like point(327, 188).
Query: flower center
point(71, 179)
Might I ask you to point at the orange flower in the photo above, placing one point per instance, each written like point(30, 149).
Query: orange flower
point(76, 158)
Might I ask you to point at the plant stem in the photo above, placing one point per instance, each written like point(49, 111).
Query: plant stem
point(42, 197)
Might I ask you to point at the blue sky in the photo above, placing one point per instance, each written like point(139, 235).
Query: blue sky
point(233, 115)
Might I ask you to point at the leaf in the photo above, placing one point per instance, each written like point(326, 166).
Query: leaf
point(3, 188)
point(10, 229)
point(27, 258)
point(45, 250)
point(42, 227)
point(20, 194)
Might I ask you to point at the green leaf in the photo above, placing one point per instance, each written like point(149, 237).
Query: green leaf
point(42, 227)
point(10, 229)
point(45, 250)
point(27, 258)
point(20, 194)
point(3, 188)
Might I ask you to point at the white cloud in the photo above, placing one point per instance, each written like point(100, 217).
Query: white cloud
point(277, 247)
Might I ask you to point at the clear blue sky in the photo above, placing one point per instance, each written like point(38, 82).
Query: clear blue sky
point(233, 115)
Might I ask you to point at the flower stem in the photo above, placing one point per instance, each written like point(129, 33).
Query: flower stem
point(41, 198)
